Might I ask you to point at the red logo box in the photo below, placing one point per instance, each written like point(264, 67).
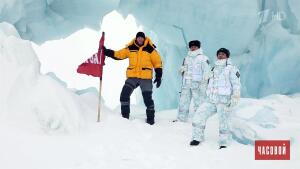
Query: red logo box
point(272, 150)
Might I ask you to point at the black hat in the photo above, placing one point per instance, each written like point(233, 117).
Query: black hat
point(140, 34)
point(194, 43)
point(224, 50)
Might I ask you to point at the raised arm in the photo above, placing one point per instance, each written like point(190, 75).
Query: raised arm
point(117, 55)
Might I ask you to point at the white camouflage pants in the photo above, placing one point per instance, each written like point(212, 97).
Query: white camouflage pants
point(206, 110)
point(190, 91)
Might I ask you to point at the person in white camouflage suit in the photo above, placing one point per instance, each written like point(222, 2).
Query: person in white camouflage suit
point(195, 67)
point(223, 93)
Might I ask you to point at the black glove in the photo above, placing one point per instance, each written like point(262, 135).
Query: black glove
point(158, 82)
point(108, 52)
point(158, 75)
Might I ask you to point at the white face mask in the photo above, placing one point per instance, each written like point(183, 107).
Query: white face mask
point(221, 62)
point(195, 52)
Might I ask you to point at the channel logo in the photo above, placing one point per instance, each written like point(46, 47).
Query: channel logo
point(272, 150)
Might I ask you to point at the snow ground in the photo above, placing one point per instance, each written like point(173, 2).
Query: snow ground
point(132, 144)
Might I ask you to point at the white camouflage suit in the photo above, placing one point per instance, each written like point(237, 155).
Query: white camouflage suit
point(223, 92)
point(195, 67)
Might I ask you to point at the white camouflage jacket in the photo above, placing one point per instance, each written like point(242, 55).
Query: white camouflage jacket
point(224, 83)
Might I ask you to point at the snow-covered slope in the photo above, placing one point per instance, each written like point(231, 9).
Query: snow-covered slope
point(133, 144)
point(30, 99)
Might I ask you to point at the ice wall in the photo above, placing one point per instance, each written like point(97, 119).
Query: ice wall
point(42, 20)
point(273, 64)
point(263, 35)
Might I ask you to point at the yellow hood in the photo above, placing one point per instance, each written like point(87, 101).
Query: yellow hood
point(147, 40)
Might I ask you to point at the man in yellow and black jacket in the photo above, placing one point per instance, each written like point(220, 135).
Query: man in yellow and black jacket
point(143, 58)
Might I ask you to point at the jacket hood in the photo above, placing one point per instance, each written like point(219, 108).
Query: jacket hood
point(147, 41)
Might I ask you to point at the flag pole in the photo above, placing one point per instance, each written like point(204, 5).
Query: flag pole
point(99, 100)
point(101, 58)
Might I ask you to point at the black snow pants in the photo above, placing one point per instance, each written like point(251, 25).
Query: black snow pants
point(146, 87)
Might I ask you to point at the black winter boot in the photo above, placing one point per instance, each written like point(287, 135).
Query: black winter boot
point(125, 110)
point(222, 147)
point(194, 143)
point(150, 117)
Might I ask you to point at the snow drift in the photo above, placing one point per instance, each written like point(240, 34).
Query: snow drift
point(133, 144)
point(30, 99)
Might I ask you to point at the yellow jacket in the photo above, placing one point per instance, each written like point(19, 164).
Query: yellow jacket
point(142, 59)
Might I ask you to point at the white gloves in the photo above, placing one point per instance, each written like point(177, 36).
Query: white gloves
point(208, 75)
point(182, 69)
point(234, 100)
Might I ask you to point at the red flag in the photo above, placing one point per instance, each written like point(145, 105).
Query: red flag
point(94, 65)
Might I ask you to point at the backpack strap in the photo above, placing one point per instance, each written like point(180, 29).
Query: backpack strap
point(183, 65)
